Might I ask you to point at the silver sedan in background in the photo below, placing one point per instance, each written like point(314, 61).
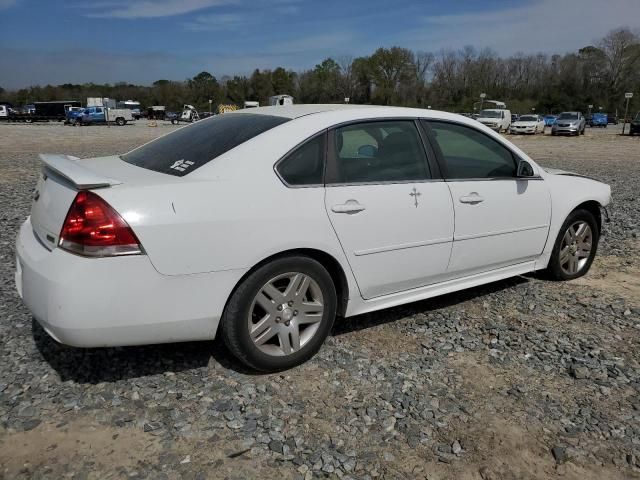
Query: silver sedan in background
point(569, 123)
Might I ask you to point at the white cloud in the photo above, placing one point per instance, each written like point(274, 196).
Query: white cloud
point(149, 8)
point(4, 4)
point(217, 22)
point(554, 26)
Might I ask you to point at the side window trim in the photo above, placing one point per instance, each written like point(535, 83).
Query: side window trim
point(323, 133)
point(331, 166)
point(432, 157)
point(426, 123)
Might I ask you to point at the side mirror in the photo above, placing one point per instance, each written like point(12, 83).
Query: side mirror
point(525, 169)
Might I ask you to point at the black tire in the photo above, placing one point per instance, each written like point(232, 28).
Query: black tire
point(554, 269)
point(234, 321)
point(173, 121)
point(120, 121)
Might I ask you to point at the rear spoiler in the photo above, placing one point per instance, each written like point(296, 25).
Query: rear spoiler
point(72, 169)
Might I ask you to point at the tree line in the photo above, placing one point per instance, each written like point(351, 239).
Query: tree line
point(451, 80)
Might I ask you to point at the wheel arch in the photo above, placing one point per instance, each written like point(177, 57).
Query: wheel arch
point(593, 207)
point(327, 260)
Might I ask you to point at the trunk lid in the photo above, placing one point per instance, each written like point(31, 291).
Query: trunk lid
point(63, 176)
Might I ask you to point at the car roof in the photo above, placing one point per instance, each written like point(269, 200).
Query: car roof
point(351, 112)
point(300, 110)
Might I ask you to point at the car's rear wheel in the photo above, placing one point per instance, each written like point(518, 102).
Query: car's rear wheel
point(575, 247)
point(280, 315)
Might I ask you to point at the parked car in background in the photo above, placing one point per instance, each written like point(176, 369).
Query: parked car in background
point(569, 123)
point(127, 249)
point(599, 120)
point(514, 117)
point(635, 125)
point(104, 115)
point(134, 106)
point(496, 119)
point(549, 120)
point(612, 119)
point(74, 115)
point(156, 112)
point(171, 116)
point(528, 124)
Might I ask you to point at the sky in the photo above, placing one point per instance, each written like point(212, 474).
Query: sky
point(140, 41)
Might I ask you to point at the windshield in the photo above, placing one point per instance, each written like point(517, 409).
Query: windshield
point(188, 148)
point(568, 116)
point(490, 114)
point(528, 118)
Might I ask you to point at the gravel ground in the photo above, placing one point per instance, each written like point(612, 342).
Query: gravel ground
point(520, 379)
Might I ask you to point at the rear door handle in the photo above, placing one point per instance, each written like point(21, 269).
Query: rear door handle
point(472, 198)
point(350, 206)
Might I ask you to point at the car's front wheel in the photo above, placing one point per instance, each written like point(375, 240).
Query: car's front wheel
point(280, 315)
point(575, 247)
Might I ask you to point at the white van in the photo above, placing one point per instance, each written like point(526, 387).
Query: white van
point(496, 119)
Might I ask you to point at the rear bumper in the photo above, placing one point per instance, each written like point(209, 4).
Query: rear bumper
point(99, 302)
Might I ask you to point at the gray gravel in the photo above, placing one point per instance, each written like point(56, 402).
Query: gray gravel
point(524, 378)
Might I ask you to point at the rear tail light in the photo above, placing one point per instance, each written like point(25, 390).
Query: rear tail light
point(93, 228)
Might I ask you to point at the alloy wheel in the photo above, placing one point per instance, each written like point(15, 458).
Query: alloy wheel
point(285, 314)
point(576, 247)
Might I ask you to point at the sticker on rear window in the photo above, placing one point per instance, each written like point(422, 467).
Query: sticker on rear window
point(181, 165)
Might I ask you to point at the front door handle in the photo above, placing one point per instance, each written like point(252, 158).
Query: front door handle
point(473, 198)
point(350, 206)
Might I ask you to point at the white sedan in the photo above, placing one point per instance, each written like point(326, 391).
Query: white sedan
point(528, 124)
point(264, 225)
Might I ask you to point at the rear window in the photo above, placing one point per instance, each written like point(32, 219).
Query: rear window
point(189, 148)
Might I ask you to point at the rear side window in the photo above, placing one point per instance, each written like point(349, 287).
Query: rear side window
point(305, 165)
point(376, 152)
point(189, 148)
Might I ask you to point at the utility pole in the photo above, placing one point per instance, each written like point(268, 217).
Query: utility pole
point(628, 96)
point(482, 97)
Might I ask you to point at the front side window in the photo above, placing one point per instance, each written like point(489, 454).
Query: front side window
point(468, 153)
point(188, 148)
point(305, 165)
point(386, 151)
